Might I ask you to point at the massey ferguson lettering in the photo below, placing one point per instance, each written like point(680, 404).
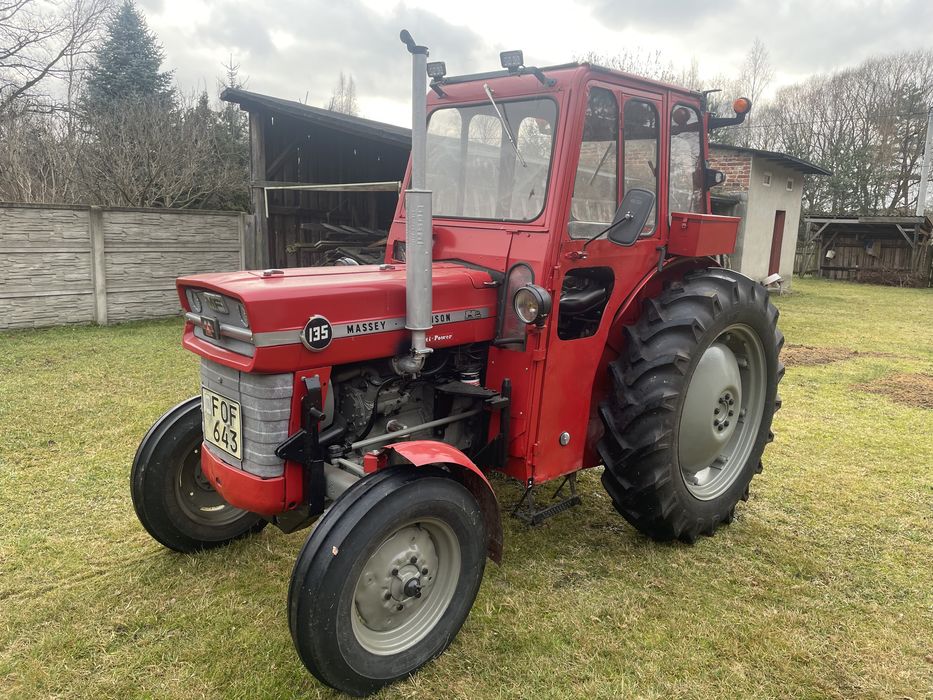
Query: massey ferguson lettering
point(366, 327)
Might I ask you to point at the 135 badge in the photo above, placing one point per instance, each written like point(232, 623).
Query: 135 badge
point(317, 333)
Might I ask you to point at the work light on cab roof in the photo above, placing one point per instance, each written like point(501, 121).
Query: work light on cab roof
point(552, 299)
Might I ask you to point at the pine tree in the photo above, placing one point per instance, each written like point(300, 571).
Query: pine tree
point(127, 63)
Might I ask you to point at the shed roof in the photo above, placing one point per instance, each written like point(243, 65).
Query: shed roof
point(369, 128)
point(788, 161)
point(871, 224)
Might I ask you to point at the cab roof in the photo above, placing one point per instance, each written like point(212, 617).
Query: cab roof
point(572, 67)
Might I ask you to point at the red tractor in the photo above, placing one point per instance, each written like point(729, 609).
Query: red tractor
point(550, 301)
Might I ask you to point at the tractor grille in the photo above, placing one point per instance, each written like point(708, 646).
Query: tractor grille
point(265, 404)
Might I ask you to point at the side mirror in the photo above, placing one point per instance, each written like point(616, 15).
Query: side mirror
point(631, 216)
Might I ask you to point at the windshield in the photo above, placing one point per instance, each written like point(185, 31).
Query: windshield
point(473, 168)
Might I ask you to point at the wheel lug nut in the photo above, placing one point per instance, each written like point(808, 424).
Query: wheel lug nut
point(715, 411)
point(414, 560)
point(424, 571)
point(399, 607)
point(388, 595)
point(395, 572)
point(418, 594)
point(730, 413)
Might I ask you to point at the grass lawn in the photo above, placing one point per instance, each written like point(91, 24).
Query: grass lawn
point(821, 588)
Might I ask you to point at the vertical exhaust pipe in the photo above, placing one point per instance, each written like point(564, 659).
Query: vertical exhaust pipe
point(418, 227)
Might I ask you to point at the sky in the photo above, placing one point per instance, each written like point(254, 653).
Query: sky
point(296, 49)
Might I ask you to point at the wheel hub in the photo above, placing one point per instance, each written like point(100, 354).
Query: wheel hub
point(716, 431)
point(705, 425)
point(405, 586)
point(197, 498)
point(397, 579)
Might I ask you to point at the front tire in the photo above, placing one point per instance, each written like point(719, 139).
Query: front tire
point(386, 579)
point(693, 396)
point(172, 497)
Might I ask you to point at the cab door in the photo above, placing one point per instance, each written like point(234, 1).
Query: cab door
point(621, 146)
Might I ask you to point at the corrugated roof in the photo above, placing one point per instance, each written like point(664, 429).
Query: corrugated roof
point(798, 164)
point(856, 223)
point(253, 101)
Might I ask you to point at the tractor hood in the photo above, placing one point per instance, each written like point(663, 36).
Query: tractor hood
point(324, 316)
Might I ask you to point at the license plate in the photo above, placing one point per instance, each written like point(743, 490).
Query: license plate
point(222, 422)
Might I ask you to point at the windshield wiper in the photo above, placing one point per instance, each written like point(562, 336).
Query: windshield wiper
point(505, 125)
point(601, 161)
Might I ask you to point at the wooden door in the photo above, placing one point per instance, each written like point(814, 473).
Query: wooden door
point(777, 240)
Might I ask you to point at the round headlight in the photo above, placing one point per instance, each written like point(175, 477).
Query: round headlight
point(194, 300)
point(532, 304)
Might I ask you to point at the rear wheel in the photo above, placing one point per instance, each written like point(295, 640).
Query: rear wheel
point(386, 578)
point(173, 499)
point(689, 415)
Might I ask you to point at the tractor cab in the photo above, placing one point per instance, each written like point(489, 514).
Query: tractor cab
point(564, 183)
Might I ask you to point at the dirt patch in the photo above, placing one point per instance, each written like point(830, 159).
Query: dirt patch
point(814, 355)
point(908, 389)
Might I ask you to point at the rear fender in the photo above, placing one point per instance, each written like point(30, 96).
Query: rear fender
point(423, 453)
point(626, 314)
point(650, 286)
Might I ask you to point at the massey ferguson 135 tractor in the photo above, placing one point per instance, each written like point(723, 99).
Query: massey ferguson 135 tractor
point(550, 301)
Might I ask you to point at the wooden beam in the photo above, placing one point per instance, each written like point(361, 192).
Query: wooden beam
point(259, 248)
point(280, 159)
point(385, 186)
point(906, 236)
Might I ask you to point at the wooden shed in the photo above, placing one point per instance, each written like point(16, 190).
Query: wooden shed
point(882, 249)
point(294, 146)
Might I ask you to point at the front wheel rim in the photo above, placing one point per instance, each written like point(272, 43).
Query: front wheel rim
point(406, 586)
point(722, 412)
point(198, 500)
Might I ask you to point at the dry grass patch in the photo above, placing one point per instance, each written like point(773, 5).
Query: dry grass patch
point(909, 389)
point(794, 354)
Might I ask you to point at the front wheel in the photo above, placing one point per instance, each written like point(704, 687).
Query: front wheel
point(691, 405)
point(386, 578)
point(173, 499)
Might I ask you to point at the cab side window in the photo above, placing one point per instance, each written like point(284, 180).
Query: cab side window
point(640, 151)
point(686, 173)
point(595, 190)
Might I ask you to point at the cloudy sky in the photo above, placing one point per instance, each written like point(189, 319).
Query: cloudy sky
point(295, 49)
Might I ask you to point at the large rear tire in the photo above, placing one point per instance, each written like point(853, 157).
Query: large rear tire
point(387, 578)
point(693, 395)
point(173, 499)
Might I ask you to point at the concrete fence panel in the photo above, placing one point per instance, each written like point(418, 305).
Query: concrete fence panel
point(73, 264)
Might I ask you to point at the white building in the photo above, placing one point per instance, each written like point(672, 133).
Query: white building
point(765, 189)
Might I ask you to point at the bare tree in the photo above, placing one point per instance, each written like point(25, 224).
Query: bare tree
point(343, 98)
point(37, 159)
point(145, 155)
point(865, 123)
point(757, 71)
point(647, 64)
point(41, 40)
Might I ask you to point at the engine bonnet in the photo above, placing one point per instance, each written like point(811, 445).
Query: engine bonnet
point(362, 309)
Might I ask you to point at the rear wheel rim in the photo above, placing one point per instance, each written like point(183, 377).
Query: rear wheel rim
point(198, 500)
point(406, 586)
point(722, 412)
